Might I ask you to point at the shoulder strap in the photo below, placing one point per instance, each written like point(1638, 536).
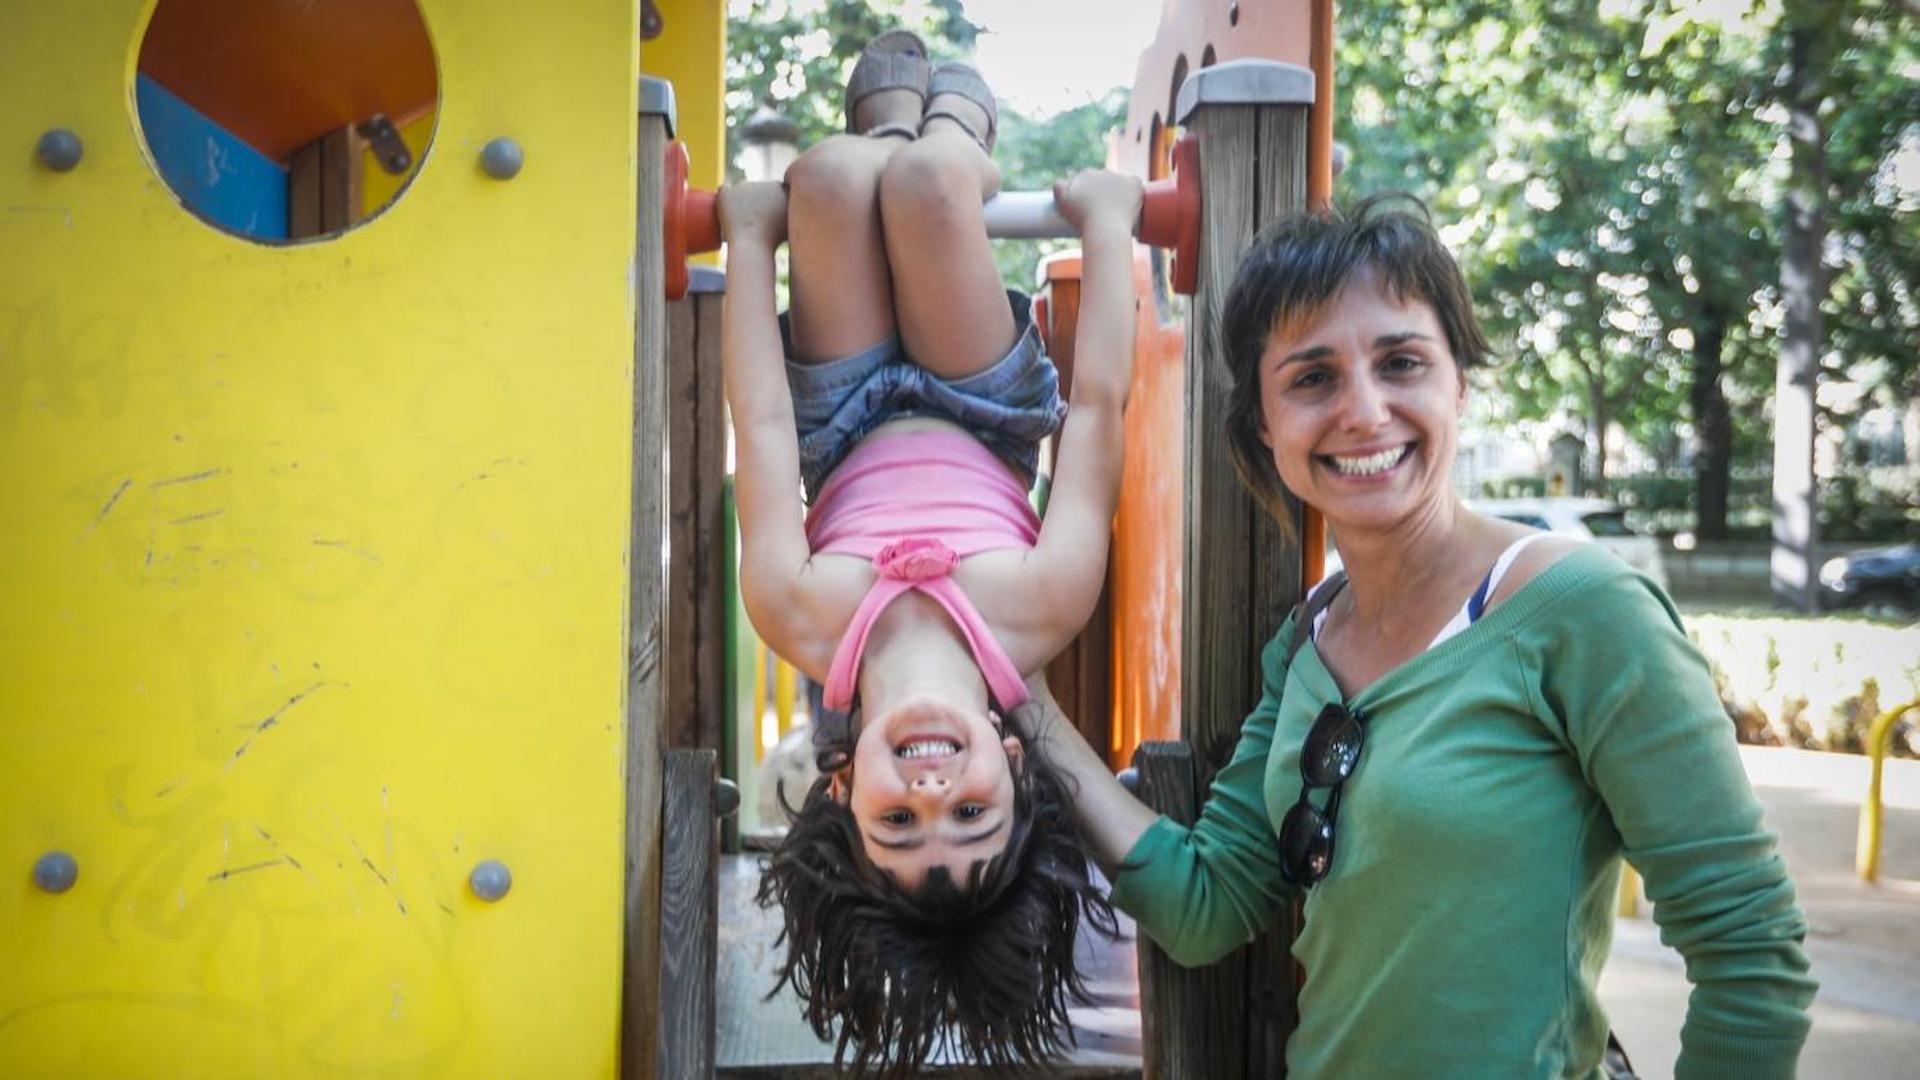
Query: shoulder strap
point(1003, 678)
point(1306, 611)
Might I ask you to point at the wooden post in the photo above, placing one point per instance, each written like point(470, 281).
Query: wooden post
point(689, 916)
point(696, 470)
point(1241, 572)
point(646, 684)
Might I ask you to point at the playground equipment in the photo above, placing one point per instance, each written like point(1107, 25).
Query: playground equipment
point(1169, 217)
point(1867, 847)
point(355, 604)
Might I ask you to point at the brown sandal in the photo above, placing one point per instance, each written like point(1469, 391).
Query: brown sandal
point(957, 78)
point(895, 60)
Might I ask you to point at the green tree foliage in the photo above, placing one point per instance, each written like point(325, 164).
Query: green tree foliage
point(794, 57)
point(1613, 178)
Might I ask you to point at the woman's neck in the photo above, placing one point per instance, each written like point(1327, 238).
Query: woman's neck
point(1418, 557)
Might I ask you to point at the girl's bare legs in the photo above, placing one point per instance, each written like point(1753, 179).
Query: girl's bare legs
point(947, 296)
point(842, 291)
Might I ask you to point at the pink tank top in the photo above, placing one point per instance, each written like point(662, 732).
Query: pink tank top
point(916, 504)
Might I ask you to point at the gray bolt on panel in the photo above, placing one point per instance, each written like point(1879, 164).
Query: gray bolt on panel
point(490, 880)
point(60, 149)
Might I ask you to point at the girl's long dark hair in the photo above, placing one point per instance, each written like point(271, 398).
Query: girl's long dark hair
point(977, 970)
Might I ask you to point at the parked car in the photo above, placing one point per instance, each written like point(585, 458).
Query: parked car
point(1597, 520)
point(1886, 577)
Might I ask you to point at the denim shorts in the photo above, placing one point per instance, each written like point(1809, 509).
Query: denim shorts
point(1010, 406)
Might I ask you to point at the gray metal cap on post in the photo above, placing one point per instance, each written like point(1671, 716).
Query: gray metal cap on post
point(1244, 82)
point(656, 99)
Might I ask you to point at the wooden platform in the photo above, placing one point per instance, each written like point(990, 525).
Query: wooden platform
point(768, 1038)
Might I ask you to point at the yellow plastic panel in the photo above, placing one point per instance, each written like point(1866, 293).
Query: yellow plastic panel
point(691, 53)
point(312, 581)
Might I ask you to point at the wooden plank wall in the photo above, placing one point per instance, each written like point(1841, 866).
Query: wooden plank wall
point(689, 916)
point(323, 185)
point(696, 471)
point(646, 684)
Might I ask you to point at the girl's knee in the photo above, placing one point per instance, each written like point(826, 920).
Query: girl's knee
point(839, 173)
point(928, 181)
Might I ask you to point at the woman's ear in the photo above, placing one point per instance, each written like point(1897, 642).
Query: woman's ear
point(1016, 754)
point(840, 787)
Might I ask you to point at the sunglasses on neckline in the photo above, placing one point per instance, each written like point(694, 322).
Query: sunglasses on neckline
point(1327, 759)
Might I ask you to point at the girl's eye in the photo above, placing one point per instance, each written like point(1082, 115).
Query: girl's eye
point(969, 811)
point(1310, 379)
point(899, 819)
point(1403, 362)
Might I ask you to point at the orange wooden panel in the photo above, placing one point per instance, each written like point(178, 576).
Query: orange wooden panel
point(279, 75)
point(1191, 32)
point(1145, 580)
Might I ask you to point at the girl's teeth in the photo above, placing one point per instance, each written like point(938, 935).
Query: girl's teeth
point(928, 748)
point(1370, 465)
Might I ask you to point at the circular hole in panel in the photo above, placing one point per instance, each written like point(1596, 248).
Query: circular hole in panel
point(1233, 14)
point(282, 121)
point(1207, 57)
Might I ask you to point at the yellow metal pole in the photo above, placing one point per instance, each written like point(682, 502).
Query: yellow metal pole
point(1867, 850)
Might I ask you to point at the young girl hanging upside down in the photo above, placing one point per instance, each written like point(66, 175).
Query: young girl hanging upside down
point(931, 881)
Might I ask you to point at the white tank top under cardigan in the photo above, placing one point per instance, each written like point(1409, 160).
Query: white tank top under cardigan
point(1475, 605)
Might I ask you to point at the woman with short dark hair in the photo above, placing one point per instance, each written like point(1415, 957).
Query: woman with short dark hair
point(1460, 736)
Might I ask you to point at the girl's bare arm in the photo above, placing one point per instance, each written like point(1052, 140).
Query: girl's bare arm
point(773, 543)
point(1068, 566)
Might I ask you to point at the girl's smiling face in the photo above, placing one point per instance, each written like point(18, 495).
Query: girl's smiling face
point(1360, 405)
point(932, 785)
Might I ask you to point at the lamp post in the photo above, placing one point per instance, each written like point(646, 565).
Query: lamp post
point(769, 143)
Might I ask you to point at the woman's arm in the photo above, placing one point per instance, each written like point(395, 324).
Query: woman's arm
point(1638, 705)
point(1111, 820)
point(1199, 892)
point(773, 542)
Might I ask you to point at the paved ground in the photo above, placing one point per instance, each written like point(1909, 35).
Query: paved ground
point(1864, 941)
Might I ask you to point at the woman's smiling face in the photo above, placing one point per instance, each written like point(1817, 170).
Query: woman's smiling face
point(1360, 405)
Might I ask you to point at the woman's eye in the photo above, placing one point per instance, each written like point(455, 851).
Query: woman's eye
point(969, 811)
point(1310, 379)
point(1403, 362)
point(899, 819)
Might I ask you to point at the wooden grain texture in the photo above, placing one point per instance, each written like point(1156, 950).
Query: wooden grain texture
point(709, 547)
point(696, 471)
point(1242, 573)
point(682, 620)
point(689, 915)
point(1272, 976)
point(646, 687)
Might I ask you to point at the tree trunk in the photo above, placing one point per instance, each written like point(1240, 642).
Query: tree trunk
point(1803, 286)
point(1712, 429)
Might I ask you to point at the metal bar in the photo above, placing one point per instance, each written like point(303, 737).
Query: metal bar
point(1026, 215)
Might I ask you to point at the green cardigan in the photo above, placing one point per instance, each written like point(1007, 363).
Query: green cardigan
point(1469, 908)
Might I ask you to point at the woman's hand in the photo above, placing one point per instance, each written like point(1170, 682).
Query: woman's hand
point(753, 214)
point(1096, 197)
point(1111, 820)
